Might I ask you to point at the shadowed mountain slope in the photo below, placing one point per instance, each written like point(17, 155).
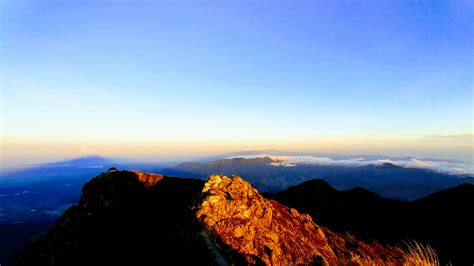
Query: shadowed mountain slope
point(140, 219)
point(120, 221)
point(442, 220)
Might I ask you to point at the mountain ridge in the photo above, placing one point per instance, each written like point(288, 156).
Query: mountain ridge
point(118, 208)
point(441, 219)
point(362, 199)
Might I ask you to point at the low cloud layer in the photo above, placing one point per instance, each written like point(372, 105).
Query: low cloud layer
point(459, 168)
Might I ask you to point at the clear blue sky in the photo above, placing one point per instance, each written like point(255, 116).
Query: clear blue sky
point(241, 71)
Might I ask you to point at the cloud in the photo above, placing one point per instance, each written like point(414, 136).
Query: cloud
point(438, 165)
point(458, 137)
point(86, 150)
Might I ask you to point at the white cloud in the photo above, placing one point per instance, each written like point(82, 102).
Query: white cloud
point(439, 166)
point(86, 150)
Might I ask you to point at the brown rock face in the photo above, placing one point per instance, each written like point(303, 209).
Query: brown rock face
point(260, 229)
point(265, 231)
point(149, 180)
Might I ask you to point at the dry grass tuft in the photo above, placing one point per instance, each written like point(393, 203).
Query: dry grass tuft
point(416, 254)
point(420, 255)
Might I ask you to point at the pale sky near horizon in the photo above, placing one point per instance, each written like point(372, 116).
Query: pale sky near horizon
point(151, 78)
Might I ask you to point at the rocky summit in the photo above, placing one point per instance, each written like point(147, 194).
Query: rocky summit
point(265, 231)
point(260, 229)
point(130, 217)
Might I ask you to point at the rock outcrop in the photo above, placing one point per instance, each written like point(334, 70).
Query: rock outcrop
point(265, 231)
point(260, 229)
point(147, 179)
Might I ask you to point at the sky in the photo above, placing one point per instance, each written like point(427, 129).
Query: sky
point(151, 79)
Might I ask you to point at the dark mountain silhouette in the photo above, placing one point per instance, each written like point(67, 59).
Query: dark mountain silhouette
point(348, 210)
point(442, 220)
point(119, 221)
point(134, 218)
point(387, 180)
point(31, 199)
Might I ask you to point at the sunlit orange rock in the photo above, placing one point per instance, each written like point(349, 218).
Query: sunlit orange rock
point(265, 231)
point(260, 229)
point(149, 180)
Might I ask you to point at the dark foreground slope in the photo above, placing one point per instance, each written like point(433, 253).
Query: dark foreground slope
point(443, 219)
point(133, 218)
point(121, 221)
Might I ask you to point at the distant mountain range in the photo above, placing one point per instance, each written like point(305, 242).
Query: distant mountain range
point(271, 175)
point(333, 156)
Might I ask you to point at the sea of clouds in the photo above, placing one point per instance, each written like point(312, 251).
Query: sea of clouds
point(449, 167)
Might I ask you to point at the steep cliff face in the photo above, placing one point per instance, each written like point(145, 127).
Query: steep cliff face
point(129, 217)
point(266, 231)
point(260, 229)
